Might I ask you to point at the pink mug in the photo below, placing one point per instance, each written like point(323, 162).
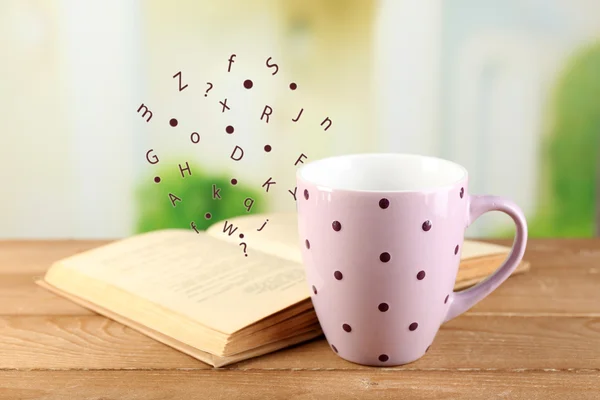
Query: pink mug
point(381, 238)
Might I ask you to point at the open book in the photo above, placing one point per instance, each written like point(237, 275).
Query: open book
point(209, 295)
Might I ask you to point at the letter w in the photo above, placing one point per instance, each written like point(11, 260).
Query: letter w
point(229, 228)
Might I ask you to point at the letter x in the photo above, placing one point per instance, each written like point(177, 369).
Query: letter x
point(224, 104)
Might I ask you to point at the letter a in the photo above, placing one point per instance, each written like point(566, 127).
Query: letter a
point(173, 199)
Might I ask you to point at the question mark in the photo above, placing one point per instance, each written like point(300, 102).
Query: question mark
point(246, 255)
point(209, 88)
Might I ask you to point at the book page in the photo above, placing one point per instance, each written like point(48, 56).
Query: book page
point(208, 280)
point(474, 249)
point(278, 236)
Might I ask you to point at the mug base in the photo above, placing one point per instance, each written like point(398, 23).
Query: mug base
point(391, 362)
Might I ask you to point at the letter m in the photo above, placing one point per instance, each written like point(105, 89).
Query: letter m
point(146, 111)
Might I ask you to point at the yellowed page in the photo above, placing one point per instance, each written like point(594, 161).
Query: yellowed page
point(187, 347)
point(474, 249)
point(208, 280)
point(279, 236)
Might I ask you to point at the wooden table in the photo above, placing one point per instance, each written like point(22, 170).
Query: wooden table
point(536, 337)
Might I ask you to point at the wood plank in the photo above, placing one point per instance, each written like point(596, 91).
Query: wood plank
point(507, 343)
point(93, 342)
point(35, 256)
point(19, 295)
point(265, 385)
point(82, 342)
point(22, 262)
point(563, 280)
point(571, 289)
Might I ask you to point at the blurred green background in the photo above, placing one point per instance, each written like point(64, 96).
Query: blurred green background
point(571, 152)
point(155, 212)
point(508, 89)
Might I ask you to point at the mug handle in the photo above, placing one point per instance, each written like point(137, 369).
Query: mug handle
point(478, 205)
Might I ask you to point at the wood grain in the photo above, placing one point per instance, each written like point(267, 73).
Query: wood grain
point(475, 342)
point(536, 337)
point(82, 342)
point(19, 295)
point(299, 385)
point(94, 342)
point(34, 257)
point(564, 280)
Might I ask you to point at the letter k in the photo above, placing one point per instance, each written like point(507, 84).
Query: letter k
point(216, 191)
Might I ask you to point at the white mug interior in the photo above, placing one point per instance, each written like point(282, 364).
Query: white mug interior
point(385, 172)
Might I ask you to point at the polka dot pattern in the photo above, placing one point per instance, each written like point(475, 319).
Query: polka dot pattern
point(385, 257)
point(426, 225)
point(423, 245)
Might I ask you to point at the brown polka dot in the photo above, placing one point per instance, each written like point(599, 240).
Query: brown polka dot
point(383, 358)
point(268, 148)
point(314, 289)
point(157, 179)
point(421, 275)
point(234, 181)
point(241, 235)
point(347, 328)
point(456, 250)
point(293, 86)
point(306, 194)
point(173, 122)
point(307, 243)
point(413, 326)
point(334, 348)
point(248, 84)
point(385, 257)
point(383, 307)
point(336, 226)
point(446, 299)
point(426, 225)
point(207, 216)
point(229, 129)
point(338, 275)
point(462, 192)
point(384, 203)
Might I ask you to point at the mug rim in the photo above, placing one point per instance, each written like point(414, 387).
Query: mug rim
point(330, 188)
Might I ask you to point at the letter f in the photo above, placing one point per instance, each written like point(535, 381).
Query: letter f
point(230, 62)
